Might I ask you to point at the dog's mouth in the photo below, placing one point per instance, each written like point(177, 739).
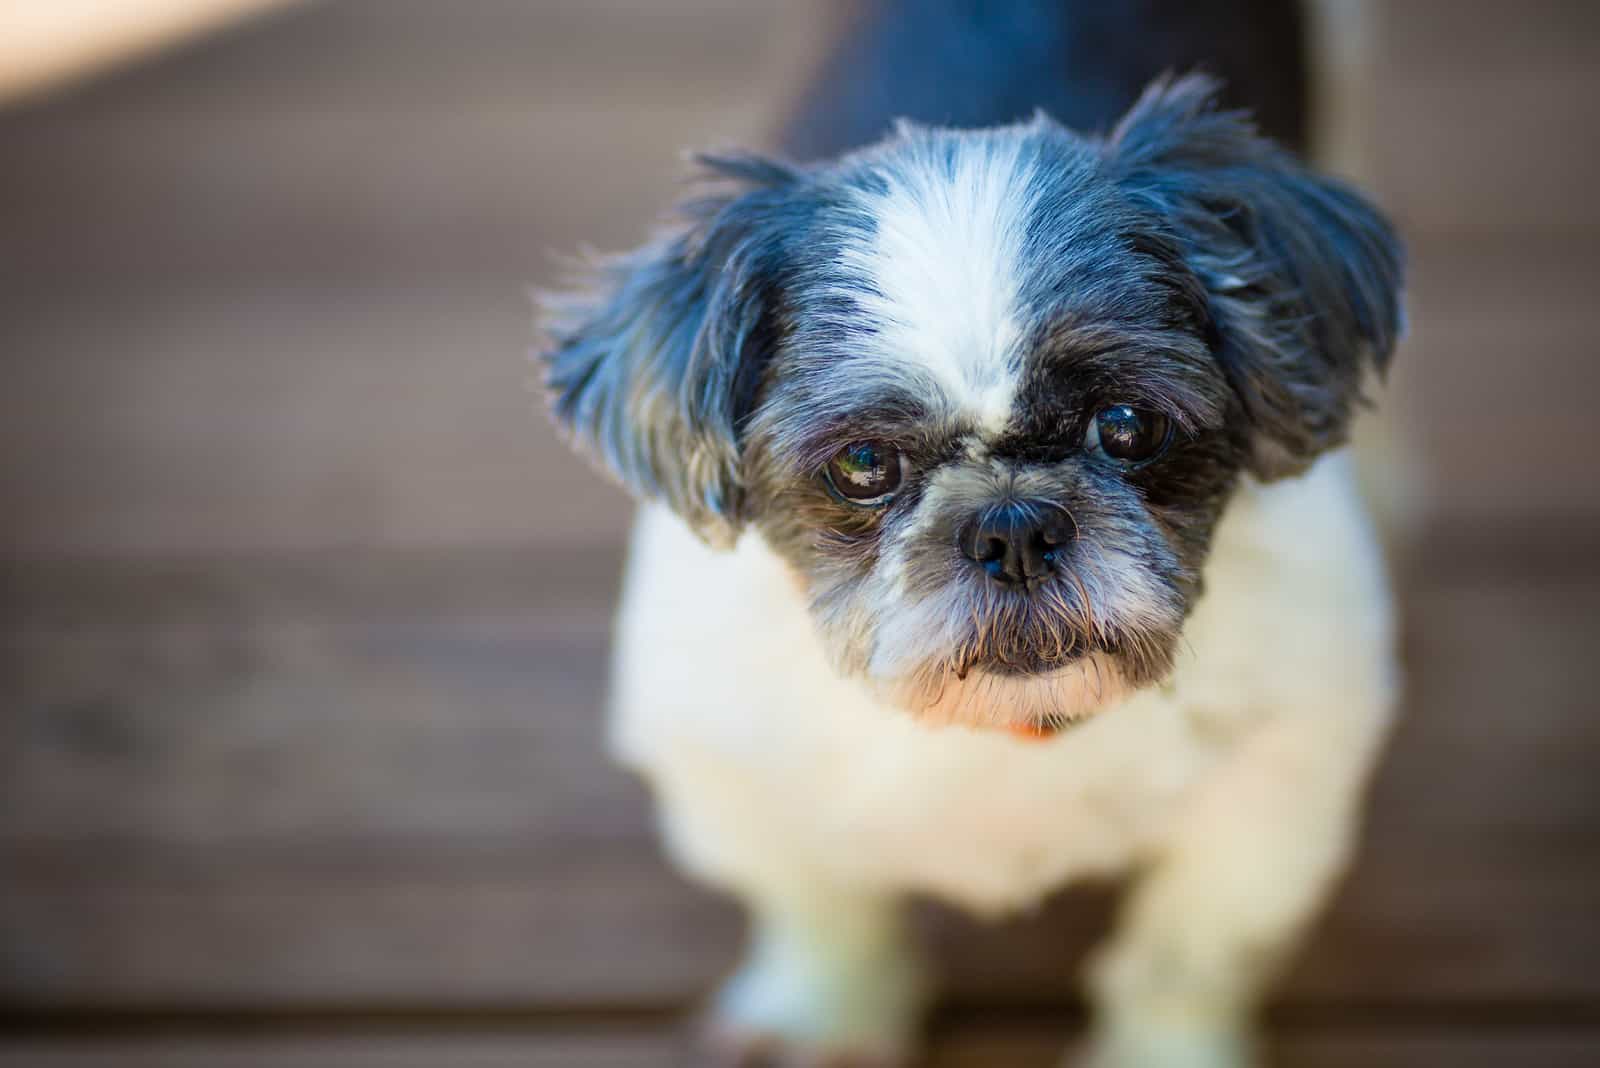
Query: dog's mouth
point(1033, 706)
point(1032, 660)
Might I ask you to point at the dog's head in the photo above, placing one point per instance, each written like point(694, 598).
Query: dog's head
point(987, 392)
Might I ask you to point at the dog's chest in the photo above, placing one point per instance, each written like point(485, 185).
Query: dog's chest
point(990, 821)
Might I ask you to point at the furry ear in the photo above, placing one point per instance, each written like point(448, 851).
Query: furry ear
point(654, 364)
point(1302, 275)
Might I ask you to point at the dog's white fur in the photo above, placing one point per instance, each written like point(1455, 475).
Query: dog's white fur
point(943, 258)
point(1231, 791)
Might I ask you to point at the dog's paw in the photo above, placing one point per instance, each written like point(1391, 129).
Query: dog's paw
point(1167, 1045)
point(771, 1016)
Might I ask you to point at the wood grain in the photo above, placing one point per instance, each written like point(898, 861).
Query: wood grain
point(1485, 120)
point(271, 294)
point(983, 1046)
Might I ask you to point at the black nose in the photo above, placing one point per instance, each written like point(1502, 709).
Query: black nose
point(1016, 543)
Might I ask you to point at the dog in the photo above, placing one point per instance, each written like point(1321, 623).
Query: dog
point(997, 532)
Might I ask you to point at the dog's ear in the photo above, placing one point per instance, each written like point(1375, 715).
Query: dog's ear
point(1302, 275)
point(654, 363)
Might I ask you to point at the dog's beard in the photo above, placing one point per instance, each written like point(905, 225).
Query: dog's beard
point(968, 653)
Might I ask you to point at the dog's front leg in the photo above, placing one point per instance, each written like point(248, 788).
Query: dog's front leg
point(1209, 922)
point(829, 979)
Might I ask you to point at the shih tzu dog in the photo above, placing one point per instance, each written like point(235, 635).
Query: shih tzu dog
point(998, 534)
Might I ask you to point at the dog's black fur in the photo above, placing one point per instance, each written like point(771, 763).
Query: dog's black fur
point(971, 63)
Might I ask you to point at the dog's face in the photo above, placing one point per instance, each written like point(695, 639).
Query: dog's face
point(987, 392)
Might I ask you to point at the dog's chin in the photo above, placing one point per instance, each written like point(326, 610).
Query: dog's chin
point(1033, 704)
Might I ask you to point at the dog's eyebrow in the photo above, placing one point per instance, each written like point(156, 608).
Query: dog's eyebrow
point(1171, 370)
point(887, 413)
point(829, 437)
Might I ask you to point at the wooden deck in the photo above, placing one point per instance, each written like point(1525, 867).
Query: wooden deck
point(305, 611)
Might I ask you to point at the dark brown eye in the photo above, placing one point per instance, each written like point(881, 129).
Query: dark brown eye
point(1128, 435)
point(866, 473)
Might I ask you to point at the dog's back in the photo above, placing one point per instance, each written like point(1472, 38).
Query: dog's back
point(968, 63)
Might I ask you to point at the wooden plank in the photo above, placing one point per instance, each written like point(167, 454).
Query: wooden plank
point(418, 925)
point(415, 56)
point(1485, 124)
point(376, 137)
point(276, 789)
point(1491, 157)
point(1039, 1048)
point(287, 702)
point(270, 294)
point(397, 796)
point(332, 195)
point(285, 418)
point(309, 287)
point(1461, 1050)
point(985, 1046)
point(1492, 384)
point(1487, 39)
point(418, 1051)
point(310, 315)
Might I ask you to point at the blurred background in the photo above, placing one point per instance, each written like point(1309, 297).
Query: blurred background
point(305, 609)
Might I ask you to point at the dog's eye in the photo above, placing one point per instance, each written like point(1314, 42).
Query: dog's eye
point(867, 472)
point(1128, 435)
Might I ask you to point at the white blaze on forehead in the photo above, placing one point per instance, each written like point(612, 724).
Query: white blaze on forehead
point(944, 261)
